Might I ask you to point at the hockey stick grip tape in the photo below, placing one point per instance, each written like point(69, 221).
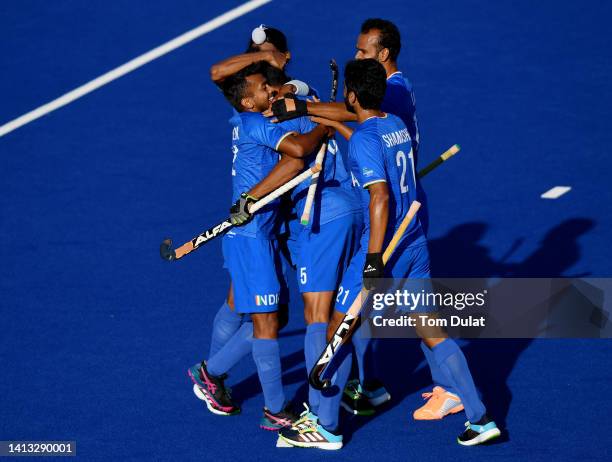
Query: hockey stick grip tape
point(450, 152)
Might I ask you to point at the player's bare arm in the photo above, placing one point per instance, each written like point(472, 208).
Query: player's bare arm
point(332, 111)
point(344, 130)
point(299, 146)
point(374, 266)
point(379, 215)
point(287, 168)
point(289, 108)
point(233, 64)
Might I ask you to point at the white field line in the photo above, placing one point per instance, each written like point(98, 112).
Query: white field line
point(556, 192)
point(132, 65)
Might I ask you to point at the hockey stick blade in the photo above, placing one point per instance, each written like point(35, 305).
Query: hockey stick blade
point(166, 251)
point(340, 336)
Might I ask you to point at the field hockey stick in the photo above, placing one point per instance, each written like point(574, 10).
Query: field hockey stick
point(450, 152)
point(312, 189)
point(349, 321)
point(168, 253)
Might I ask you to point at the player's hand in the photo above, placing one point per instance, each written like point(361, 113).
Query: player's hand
point(324, 121)
point(286, 89)
point(337, 126)
point(287, 108)
point(277, 58)
point(239, 212)
point(331, 131)
point(330, 125)
point(373, 269)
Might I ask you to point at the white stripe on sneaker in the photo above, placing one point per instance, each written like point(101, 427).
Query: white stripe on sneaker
point(448, 405)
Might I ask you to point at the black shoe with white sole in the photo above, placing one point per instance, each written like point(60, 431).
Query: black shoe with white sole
point(478, 433)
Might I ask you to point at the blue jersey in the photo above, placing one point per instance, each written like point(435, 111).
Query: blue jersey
point(254, 143)
point(380, 150)
point(399, 101)
point(336, 196)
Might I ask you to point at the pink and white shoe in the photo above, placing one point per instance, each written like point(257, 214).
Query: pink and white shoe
point(212, 390)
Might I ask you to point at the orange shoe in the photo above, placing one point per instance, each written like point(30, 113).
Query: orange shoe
point(440, 404)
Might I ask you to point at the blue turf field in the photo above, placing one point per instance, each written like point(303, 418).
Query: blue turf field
point(97, 332)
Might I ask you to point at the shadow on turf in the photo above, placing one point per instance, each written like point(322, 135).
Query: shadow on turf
point(457, 254)
point(460, 253)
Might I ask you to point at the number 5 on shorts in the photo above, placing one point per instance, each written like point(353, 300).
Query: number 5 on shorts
point(303, 277)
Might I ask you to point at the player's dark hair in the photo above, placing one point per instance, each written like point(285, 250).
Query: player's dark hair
point(368, 80)
point(234, 87)
point(273, 36)
point(274, 76)
point(389, 35)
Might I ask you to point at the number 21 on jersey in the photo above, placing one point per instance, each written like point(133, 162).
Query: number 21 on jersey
point(402, 163)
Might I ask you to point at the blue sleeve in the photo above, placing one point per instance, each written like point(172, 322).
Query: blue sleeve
point(367, 150)
point(292, 125)
point(266, 133)
point(306, 125)
point(300, 125)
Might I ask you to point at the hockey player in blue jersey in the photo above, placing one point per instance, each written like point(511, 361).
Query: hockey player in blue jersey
point(249, 250)
point(321, 250)
point(380, 39)
point(381, 164)
point(270, 47)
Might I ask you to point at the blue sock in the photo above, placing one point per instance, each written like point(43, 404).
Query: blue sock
point(437, 377)
point(237, 347)
point(267, 359)
point(329, 407)
point(364, 352)
point(454, 367)
point(225, 325)
point(314, 344)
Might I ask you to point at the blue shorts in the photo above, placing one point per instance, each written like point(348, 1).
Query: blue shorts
point(255, 268)
point(322, 257)
point(412, 263)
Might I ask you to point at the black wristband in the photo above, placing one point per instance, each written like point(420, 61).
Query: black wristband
point(282, 112)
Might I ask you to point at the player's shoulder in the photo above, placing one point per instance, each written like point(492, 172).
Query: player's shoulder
point(367, 133)
point(252, 120)
point(393, 120)
point(362, 132)
point(399, 80)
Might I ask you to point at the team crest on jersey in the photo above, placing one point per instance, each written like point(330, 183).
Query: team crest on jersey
point(367, 172)
point(266, 300)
